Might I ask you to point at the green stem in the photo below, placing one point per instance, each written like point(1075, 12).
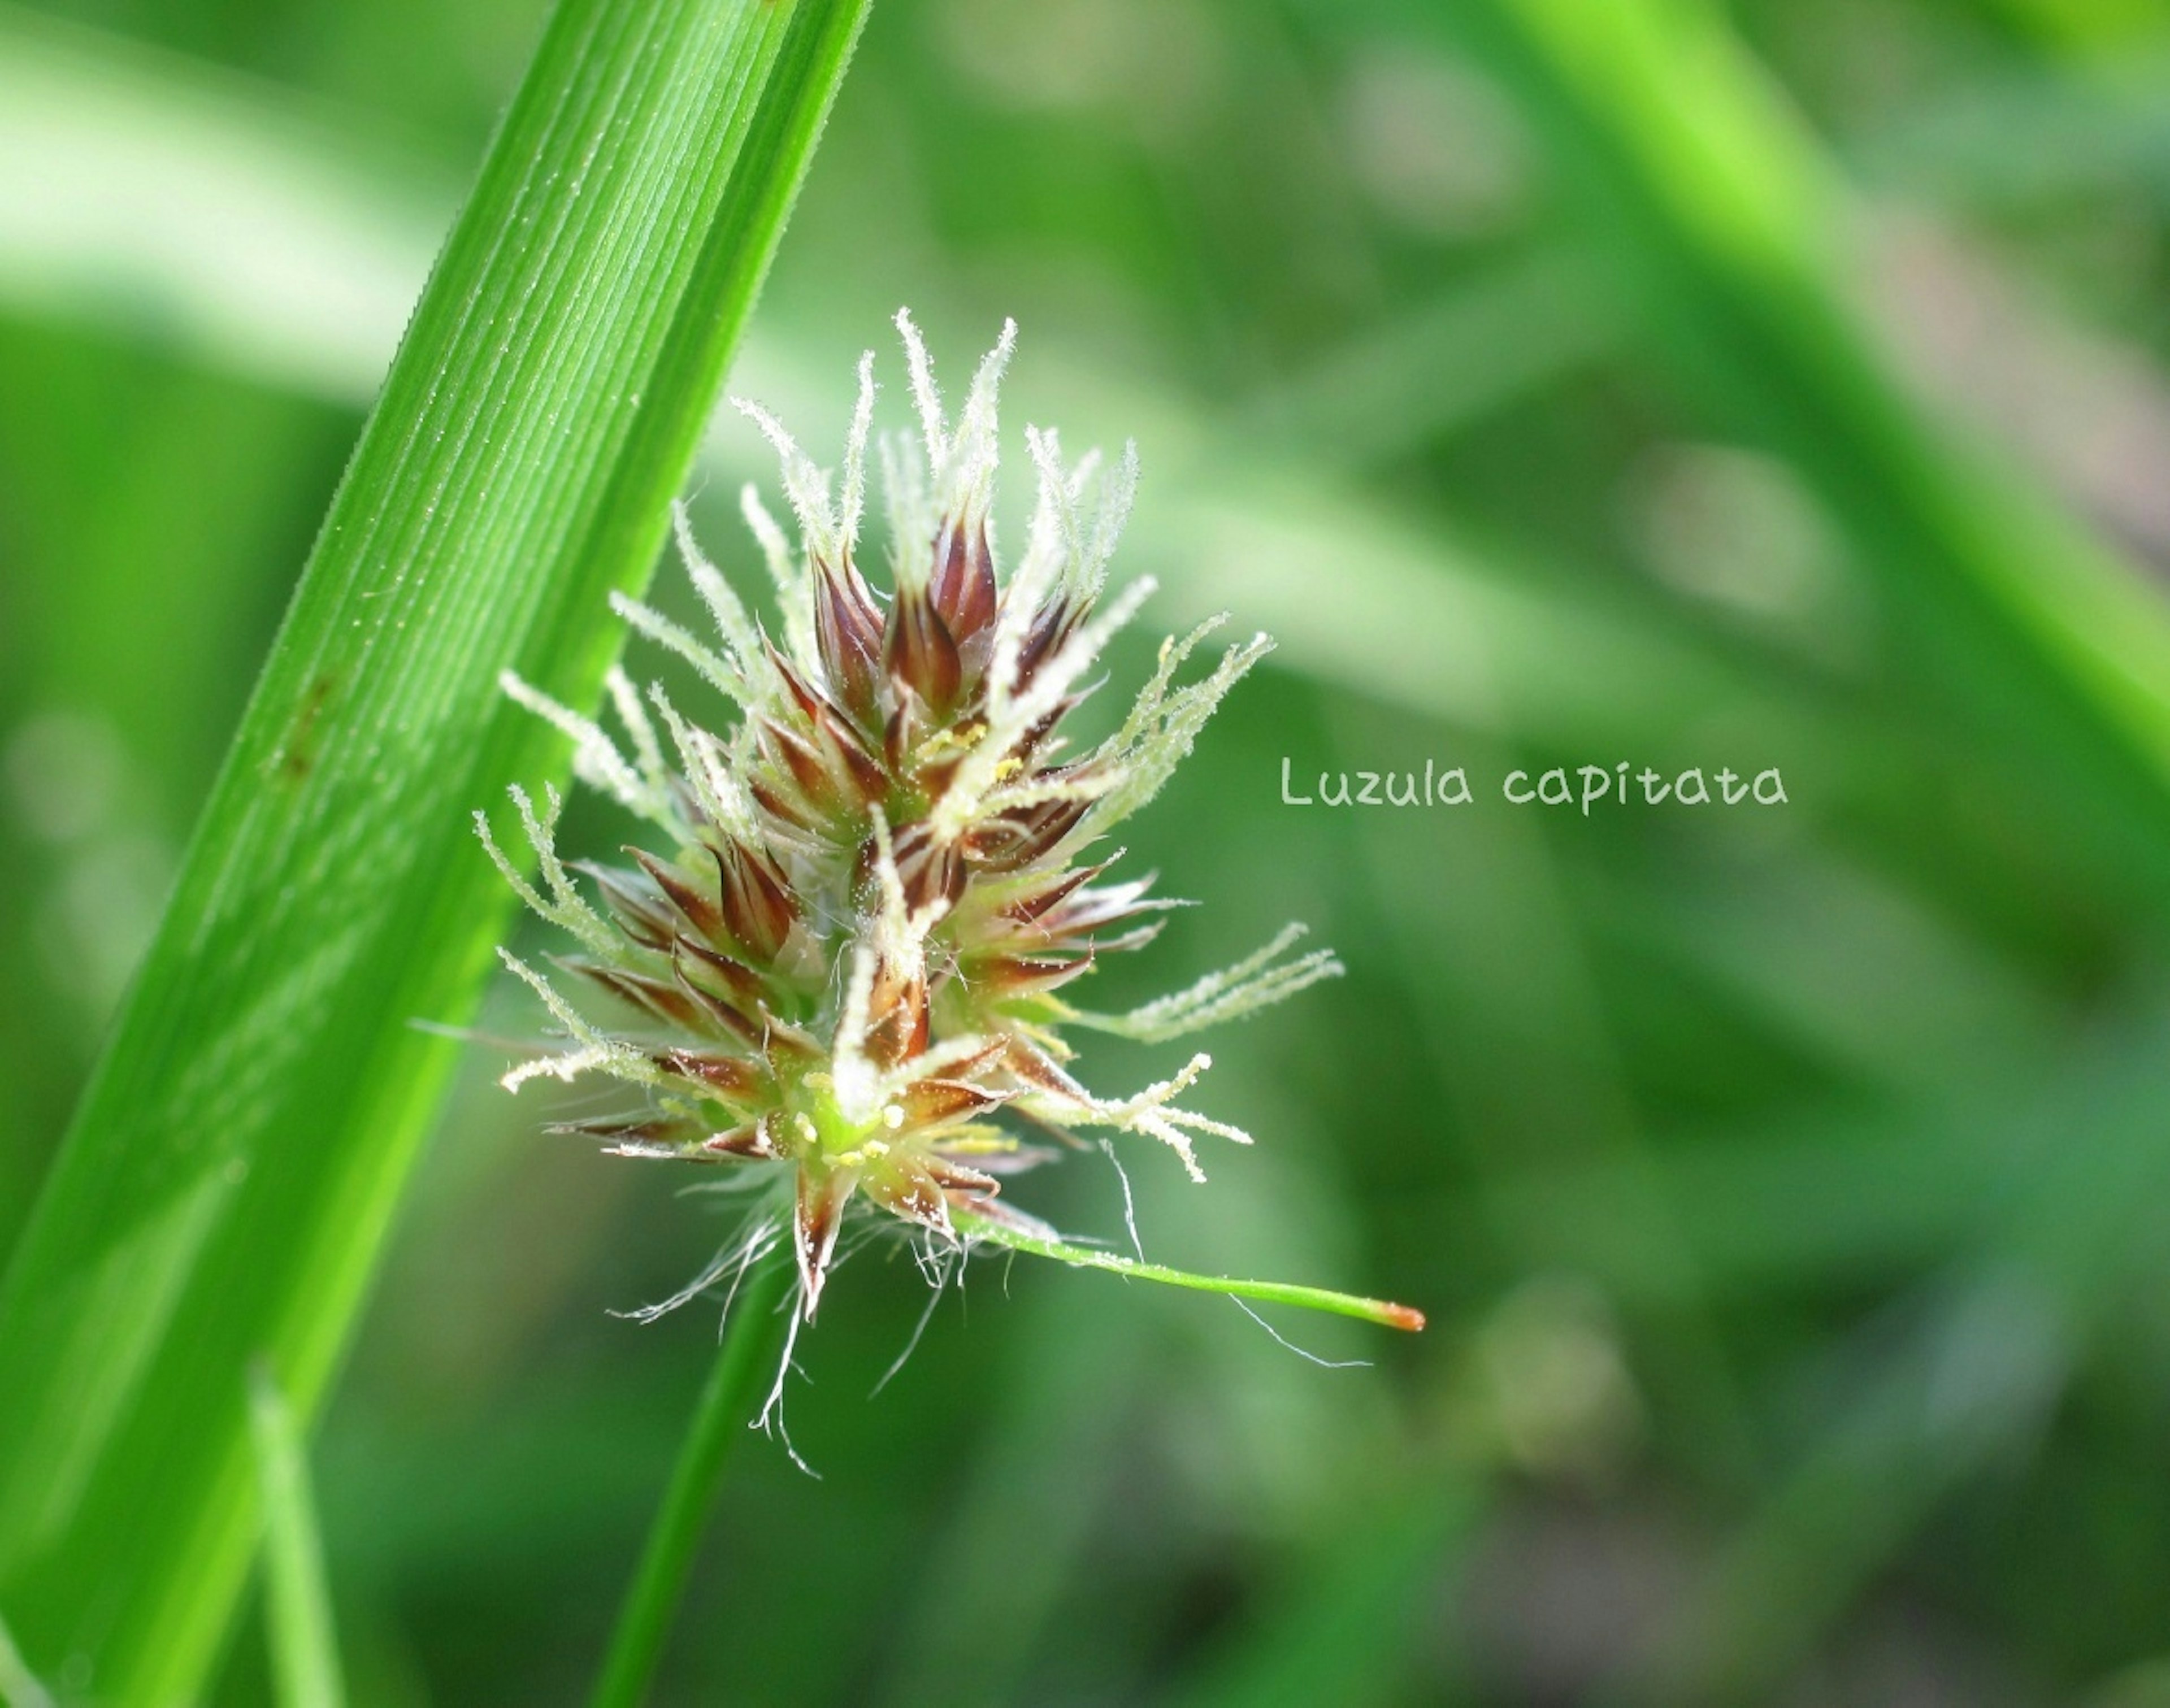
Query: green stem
point(742, 1361)
point(1378, 1310)
point(298, 1605)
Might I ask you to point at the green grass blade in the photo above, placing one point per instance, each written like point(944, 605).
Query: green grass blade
point(1378, 1310)
point(651, 1603)
point(228, 1182)
point(1731, 224)
point(304, 1646)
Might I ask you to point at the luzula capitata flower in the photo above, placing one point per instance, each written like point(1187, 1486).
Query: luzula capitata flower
point(848, 959)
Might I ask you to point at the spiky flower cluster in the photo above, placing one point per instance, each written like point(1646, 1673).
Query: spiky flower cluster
point(850, 952)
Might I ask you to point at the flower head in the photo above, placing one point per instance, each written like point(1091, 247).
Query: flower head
point(847, 958)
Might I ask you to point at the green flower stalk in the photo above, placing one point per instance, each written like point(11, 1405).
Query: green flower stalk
point(847, 962)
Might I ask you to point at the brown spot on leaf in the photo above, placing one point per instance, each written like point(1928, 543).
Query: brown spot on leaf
point(297, 753)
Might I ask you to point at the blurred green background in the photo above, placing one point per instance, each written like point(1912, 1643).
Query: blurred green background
point(1777, 384)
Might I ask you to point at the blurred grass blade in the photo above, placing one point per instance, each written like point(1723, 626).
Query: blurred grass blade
point(1482, 343)
point(1356, 1630)
point(1378, 1310)
point(1440, 625)
point(230, 1176)
point(304, 1648)
point(1731, 224)
point(185, 203)
point(1014, 1544)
